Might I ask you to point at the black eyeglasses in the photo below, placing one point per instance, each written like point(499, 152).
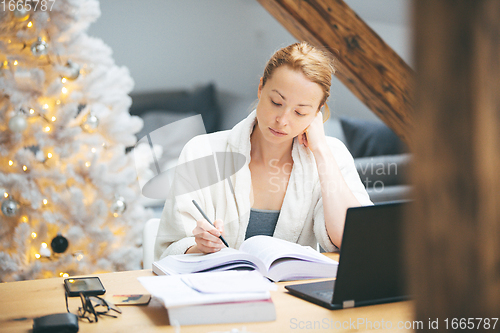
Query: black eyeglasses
point(93, 307)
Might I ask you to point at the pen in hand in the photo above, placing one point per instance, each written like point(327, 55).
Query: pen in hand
point(206, 218)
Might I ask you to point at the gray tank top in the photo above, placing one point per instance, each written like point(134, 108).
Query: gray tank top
point(262, 222)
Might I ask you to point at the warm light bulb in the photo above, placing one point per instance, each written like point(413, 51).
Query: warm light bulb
point(6, 195)
point(11, 162)
point(79, 256)
point(9, 41)
point(116, 214)
point(33, 235)
point(30, 24)
point(58, 102)
point(47, 129)
point(63, 80)
point(37, 255)
point(32, 111)
point(44, 201)
point(24, 219)
point(44, 245)
point(45, 106)
point(53, 118)
point(64, 90)
point(93, 150)
point(65, 275)
point(87, 164)
point(16, 62)
point(25, 168)
point(49, 155)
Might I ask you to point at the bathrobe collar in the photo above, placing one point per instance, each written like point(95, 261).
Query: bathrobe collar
point(298, 197)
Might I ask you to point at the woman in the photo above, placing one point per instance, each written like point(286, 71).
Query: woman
point(295, 184)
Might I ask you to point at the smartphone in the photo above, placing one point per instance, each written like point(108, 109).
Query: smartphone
point(90, 286)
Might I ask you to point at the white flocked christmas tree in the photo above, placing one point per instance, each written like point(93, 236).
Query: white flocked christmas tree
point(69, 191)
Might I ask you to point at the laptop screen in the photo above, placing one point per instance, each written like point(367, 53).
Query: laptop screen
point(371, 257)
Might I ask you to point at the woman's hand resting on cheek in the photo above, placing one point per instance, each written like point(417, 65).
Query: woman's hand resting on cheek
point(207, 237)
point(314, 135)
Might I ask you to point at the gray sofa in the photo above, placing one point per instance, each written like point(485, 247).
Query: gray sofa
point(384, 177)
point(381, 159)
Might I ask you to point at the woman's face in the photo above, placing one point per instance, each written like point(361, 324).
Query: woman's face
point(288, 103)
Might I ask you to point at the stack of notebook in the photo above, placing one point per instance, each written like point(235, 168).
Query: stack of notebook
point(216, 297)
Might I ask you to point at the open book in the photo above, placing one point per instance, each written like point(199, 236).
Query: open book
point(275, 258)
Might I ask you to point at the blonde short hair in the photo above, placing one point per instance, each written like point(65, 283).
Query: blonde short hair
point(315, 64)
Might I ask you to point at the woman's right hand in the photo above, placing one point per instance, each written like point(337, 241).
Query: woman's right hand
point(207, 237)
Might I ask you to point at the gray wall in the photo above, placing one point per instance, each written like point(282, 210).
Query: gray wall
point(176, 44)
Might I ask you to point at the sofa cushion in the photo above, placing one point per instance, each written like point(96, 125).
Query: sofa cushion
point(202, 100)
point(383, 171)
point(369, 138)
point(390, 193)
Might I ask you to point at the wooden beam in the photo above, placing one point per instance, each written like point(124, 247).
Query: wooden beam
point(365, 63)
point(454, 225)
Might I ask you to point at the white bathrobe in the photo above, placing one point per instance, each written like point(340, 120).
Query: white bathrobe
point(301, 218)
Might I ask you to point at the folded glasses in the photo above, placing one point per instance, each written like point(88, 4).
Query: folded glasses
point(93, 307)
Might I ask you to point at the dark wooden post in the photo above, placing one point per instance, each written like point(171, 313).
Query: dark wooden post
point(365, 63)
point(454, 226)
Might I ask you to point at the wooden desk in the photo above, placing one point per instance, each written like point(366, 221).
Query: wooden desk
point(20, 302)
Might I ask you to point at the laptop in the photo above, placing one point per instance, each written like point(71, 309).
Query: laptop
point(370, 267)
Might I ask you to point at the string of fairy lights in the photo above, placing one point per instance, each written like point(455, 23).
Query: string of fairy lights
point(44, 111)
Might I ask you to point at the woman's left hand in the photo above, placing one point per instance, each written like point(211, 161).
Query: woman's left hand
point(313, 136)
